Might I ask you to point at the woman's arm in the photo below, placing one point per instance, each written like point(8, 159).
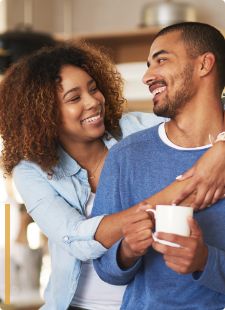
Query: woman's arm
point(206, 178)
point(59, 218)
point(110, 228)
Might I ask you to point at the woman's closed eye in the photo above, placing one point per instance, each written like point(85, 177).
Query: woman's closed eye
point(73, 99)
point(93, 89)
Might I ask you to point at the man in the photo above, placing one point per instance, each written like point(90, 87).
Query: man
point(186, 77)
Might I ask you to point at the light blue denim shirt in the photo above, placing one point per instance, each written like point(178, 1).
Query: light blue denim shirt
point(57, 204)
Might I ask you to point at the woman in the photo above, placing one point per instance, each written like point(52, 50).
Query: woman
point(60, 112)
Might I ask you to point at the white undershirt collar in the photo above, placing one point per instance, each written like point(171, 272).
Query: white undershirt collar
point(164, 138)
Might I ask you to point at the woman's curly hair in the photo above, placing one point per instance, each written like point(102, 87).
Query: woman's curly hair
point(29, 109)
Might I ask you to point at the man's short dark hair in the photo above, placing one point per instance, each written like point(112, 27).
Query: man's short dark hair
point(201, 38)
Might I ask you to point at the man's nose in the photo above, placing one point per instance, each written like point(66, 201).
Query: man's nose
point(149, 76)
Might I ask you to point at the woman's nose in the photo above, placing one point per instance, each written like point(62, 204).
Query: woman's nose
point(90, 102)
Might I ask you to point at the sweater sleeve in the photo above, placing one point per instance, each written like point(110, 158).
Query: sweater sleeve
point(110, 272)
point(213, 276)
point(108, 201)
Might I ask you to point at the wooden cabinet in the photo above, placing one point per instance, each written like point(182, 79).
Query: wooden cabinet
point(124, 46)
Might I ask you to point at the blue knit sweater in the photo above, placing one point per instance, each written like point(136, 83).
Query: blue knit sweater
point(136, 168)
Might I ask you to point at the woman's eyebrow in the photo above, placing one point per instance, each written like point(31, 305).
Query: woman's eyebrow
point(91, 82)
point(71, 90)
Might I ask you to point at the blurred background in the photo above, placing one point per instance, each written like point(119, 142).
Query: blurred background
point(126, 28)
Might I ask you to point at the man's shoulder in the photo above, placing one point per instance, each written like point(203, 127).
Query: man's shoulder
point(139, 139)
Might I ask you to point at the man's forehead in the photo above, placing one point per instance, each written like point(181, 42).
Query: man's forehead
point(168, 42)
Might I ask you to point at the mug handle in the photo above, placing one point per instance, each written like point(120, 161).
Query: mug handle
point(154, 212)
point(151, 210)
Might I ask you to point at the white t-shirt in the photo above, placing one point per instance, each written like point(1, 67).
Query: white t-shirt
point(92, 293)
point(164, 138)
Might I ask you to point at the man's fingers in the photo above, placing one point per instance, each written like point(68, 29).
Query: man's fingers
point(167, 249)
point(171, 250)
point(179, 268)
point(194, 228)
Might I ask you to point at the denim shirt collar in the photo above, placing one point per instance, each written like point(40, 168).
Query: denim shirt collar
point(68, 166)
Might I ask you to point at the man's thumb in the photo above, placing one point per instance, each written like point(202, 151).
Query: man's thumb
point(194, 228)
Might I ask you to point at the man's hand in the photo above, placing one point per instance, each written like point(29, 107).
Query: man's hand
point(137, 238)
point(190, 257)
point(206, 178)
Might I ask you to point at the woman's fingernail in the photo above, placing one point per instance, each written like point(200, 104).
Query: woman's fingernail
point(144, 207)
point(179, 177)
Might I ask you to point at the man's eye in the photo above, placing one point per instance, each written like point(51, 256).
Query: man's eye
point(161, 60)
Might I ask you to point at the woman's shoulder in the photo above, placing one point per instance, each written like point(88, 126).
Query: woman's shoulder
point(135, 121)
point(25, 168)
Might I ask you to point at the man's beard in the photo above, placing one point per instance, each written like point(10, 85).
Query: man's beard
point(171, 106)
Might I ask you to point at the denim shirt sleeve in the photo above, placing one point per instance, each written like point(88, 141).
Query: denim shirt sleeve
point(61, 223)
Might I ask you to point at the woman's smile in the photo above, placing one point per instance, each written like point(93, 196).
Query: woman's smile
point(82, 106)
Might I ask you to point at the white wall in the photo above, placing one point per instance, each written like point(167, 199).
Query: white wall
point(42, 14)
point(2, 15)
point(110, 15)
point(99, 15)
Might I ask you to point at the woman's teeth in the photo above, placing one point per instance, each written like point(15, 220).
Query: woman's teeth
point(91, 119)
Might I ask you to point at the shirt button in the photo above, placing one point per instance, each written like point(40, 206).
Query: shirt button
point(49, 176)
point(66, 239)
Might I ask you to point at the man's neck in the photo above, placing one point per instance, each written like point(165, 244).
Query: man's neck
point(192, 126)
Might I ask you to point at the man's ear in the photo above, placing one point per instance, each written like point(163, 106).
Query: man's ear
point(207, 61)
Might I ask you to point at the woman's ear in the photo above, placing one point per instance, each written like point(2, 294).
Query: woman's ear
point(207, 61)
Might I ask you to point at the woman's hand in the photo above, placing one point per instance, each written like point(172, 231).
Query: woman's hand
point(206, 178)
point(137, 237)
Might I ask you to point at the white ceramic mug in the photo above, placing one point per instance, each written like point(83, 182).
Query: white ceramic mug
point(172, 219)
